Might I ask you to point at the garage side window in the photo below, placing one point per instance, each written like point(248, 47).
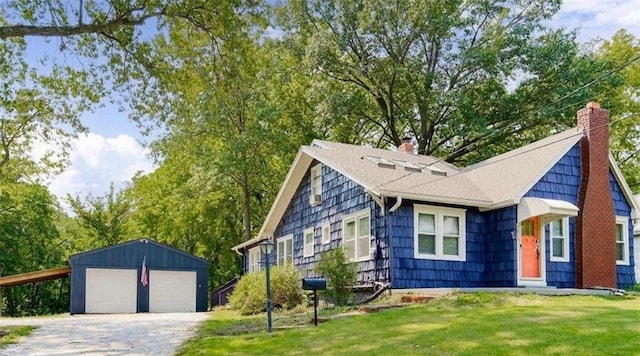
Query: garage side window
point(254, 259)
point(285, 250)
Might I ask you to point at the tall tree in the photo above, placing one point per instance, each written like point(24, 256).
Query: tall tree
point(105, 219)
point(466, 78)
point(623, 51)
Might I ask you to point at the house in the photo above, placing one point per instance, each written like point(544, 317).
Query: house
point(554, 213)
point(138, 276)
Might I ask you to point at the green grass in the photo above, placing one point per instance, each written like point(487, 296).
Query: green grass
point(11, 334)
point(467, 324)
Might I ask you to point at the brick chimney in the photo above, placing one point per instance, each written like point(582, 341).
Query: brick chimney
point(406, 145)
point(595, 224)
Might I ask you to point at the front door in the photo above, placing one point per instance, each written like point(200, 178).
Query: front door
point(530, 247)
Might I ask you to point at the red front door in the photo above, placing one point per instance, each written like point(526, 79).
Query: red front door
point(530, 248)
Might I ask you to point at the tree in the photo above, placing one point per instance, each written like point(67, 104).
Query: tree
point(623, 51)
point(105, 219)
point(468, 79)
point(29, 241)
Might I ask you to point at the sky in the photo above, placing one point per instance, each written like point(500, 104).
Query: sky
point(113, 150)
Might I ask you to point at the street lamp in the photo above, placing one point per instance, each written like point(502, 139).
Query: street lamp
point(266, 247)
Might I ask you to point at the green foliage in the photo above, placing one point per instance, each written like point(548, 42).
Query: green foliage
point(468, 79)
point(250, 294)
point(29, 241)
point(105, 219)
point(340, 273)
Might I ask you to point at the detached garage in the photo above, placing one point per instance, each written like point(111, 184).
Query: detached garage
point(136, 277)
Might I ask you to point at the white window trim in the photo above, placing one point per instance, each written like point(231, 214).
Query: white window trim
point(283, 241)
point(326, 233)
point(438, 211)
point(308, 250)
point(316, 171)
point(355, 217)
point(565, 242)
point(624, 221)
point(254, 259)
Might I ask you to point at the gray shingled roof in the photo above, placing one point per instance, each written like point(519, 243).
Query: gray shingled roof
point(499, 179)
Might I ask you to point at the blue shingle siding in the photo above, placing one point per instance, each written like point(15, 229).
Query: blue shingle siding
point(626, 273)
point(500, 252)
point(561, 182)
point(340, 197)
point(409, 272)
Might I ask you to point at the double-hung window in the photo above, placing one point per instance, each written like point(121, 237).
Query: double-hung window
point(285, 250)
point(559, 236)
point(316, 185)
point(622, 240)
point(307, 236)
point(356, 235)
point(254, 259)
point(439, 233)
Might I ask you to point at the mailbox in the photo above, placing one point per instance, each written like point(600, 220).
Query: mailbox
point(314, 283)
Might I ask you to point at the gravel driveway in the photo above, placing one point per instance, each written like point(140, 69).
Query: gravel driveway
point(111, 334)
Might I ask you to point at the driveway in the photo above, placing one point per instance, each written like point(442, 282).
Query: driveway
point(111, 334)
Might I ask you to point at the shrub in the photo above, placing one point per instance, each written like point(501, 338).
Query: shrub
point(340, 274)
point(250, 294)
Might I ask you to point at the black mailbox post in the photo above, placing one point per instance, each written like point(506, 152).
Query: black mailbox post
point(314, 284)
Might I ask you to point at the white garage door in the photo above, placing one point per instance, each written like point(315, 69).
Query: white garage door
point(172, 291)
point(111, 290)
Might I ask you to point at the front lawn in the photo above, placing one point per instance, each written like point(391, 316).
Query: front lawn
point(11, 334)
point(471, 324)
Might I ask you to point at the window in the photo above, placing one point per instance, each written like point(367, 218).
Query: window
point(439, 233)
point(622, 240)
point(356, 235)
point(559, 236)
point(285, 250)
point(326, 233)
point(254, 260)
point(308, 242)
point(316, 185)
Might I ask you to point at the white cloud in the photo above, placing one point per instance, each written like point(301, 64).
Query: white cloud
point(96, 161)
point(599, 18)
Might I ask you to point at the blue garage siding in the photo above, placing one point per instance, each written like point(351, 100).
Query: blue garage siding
point(409, 272)
point(129, 255)
point(561, 182)
point(500, 256)
point(626, 273)
point(340, 197)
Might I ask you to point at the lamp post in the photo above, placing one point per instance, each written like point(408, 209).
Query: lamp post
point(266, 247)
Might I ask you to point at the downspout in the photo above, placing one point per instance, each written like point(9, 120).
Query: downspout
point(388, 220)
point(396, 205)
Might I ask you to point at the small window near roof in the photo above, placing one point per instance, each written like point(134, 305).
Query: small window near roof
point(316, 185)
point(622, 240)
